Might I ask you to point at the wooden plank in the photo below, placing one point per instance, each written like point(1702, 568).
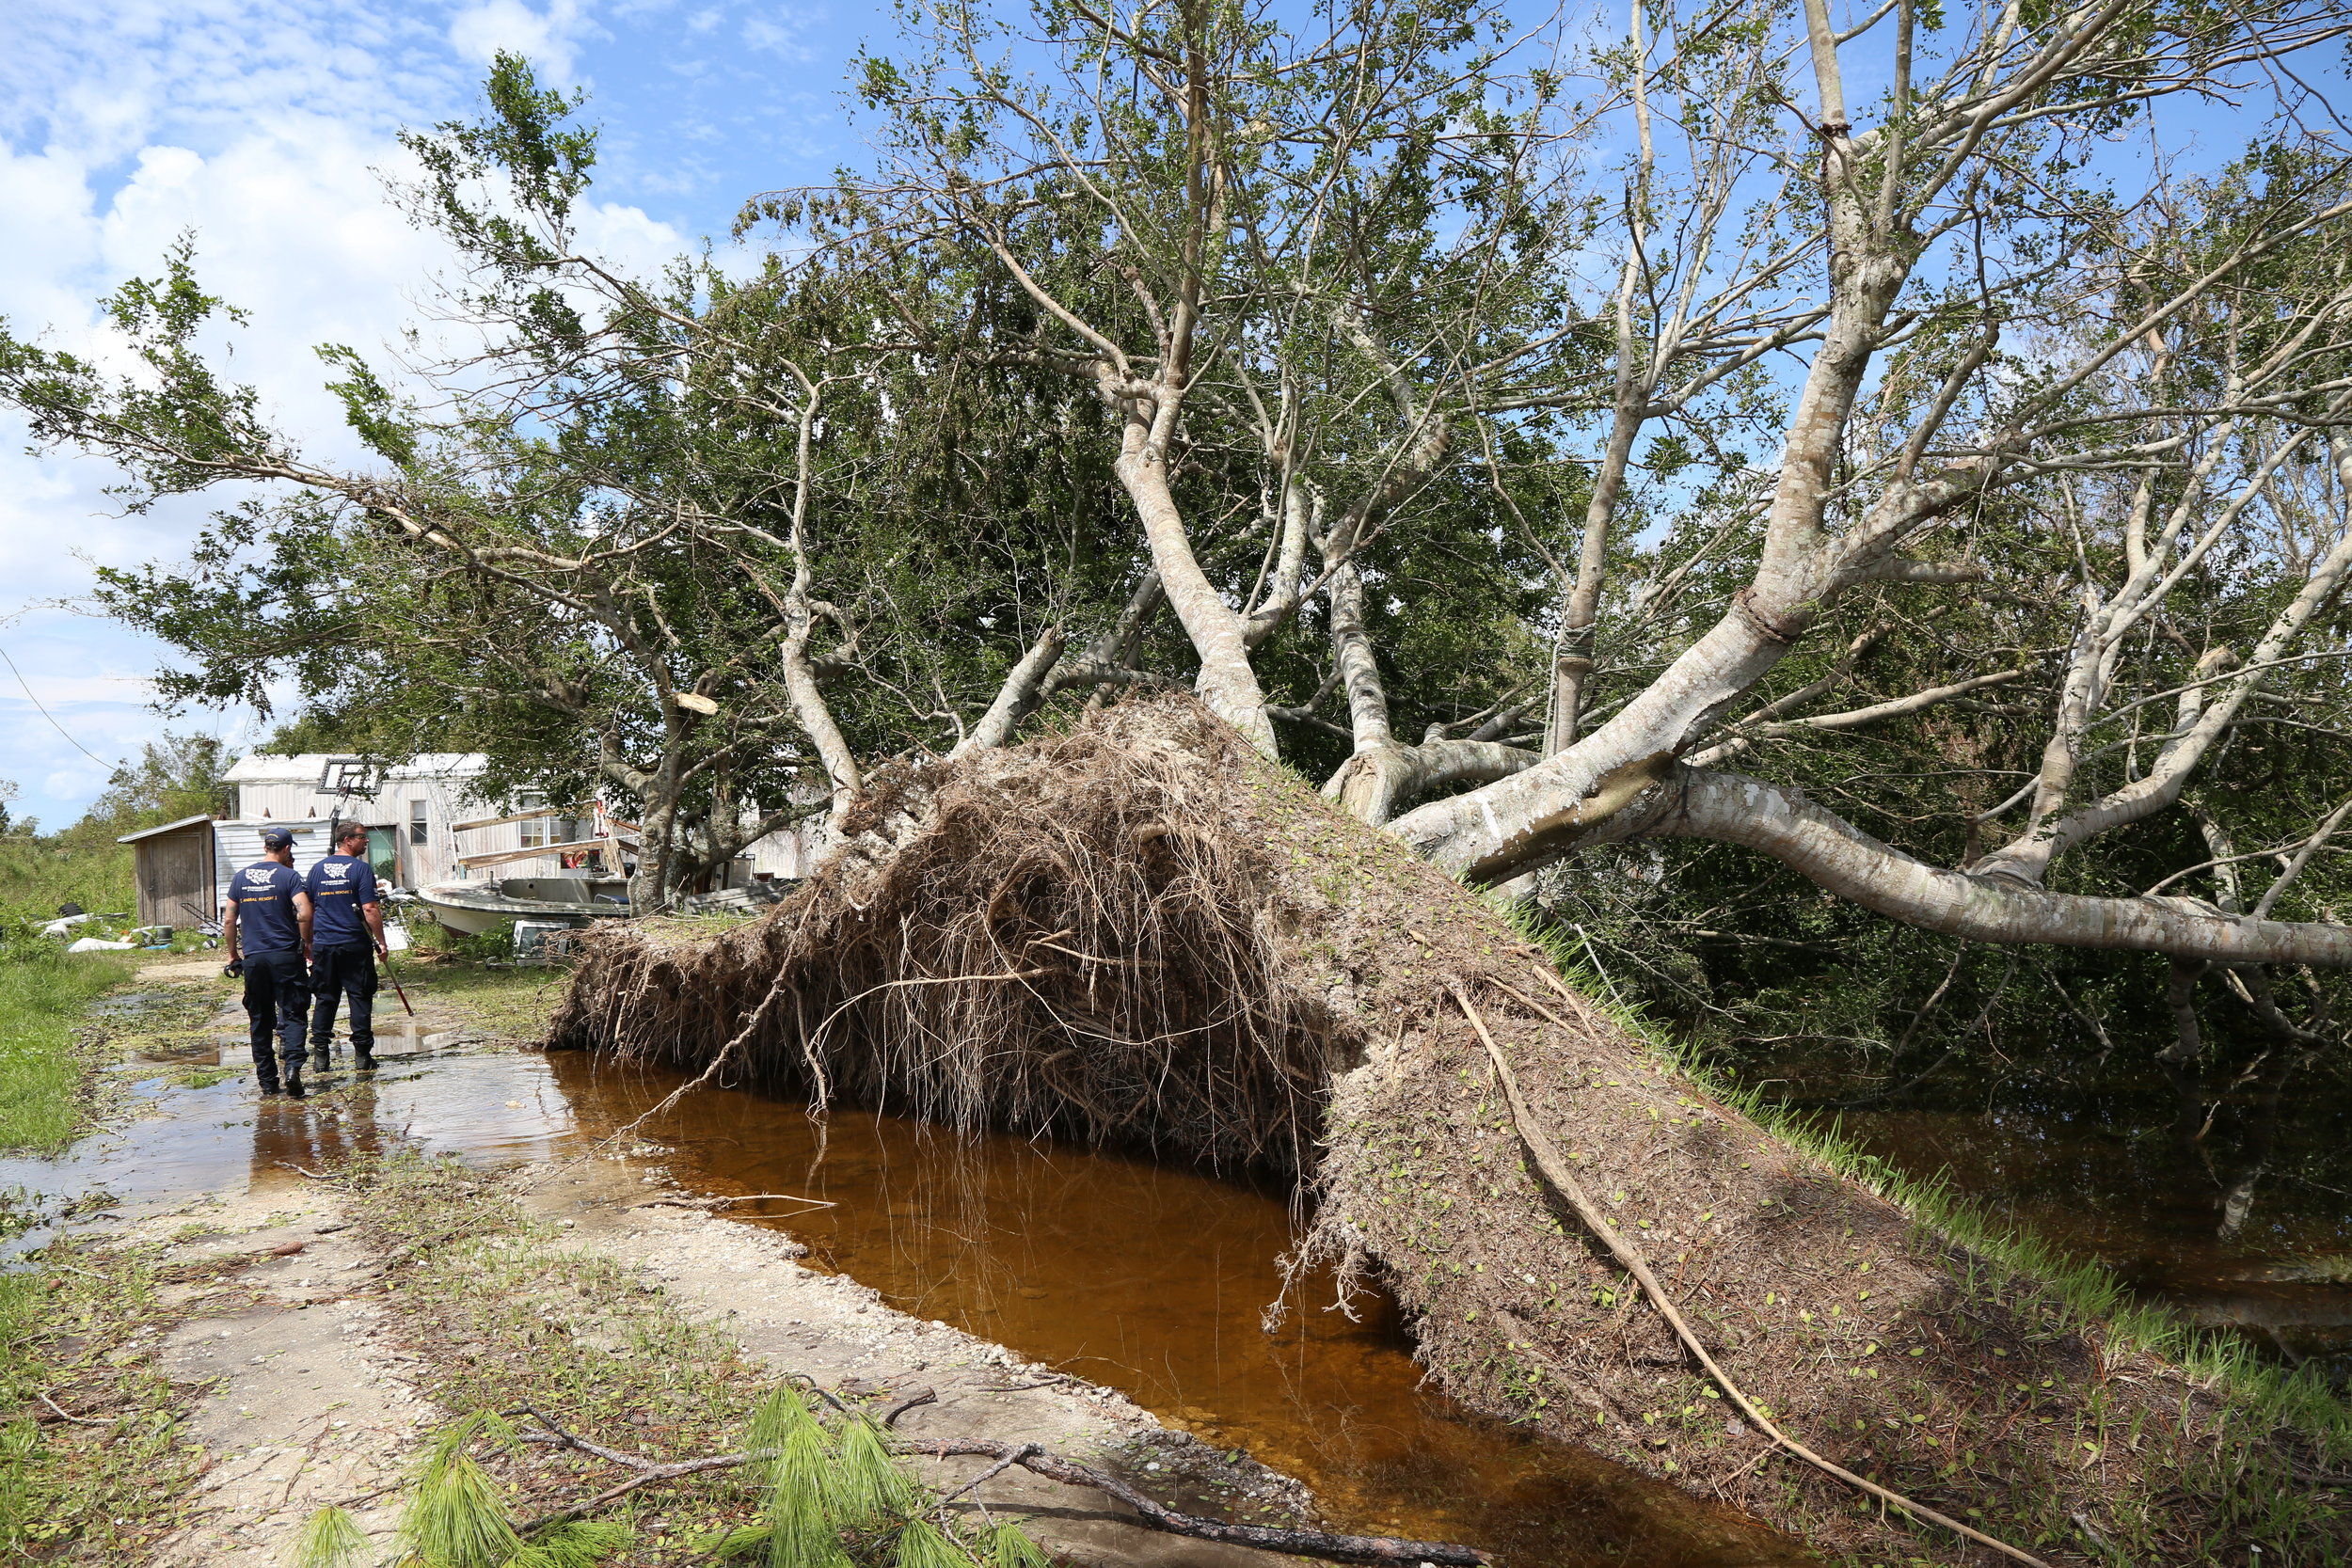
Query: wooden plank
point(585, 807)
point(500, 857)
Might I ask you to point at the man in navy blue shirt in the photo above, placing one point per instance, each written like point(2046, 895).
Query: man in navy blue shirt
point(267, 929)
point(346, 934)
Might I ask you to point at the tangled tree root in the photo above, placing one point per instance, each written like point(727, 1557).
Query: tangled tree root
point(1074, 939)
point(1139, 932)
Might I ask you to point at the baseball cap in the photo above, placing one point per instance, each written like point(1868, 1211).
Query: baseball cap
point(275, 838)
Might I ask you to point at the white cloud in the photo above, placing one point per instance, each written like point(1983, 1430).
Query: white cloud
point(71, 783)
point(547, 39)
point(260, 127)
point(781, 34)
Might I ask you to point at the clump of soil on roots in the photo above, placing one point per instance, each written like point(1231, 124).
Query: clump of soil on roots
point(1140, 932)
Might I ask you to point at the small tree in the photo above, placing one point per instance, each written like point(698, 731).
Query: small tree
point(181, 775)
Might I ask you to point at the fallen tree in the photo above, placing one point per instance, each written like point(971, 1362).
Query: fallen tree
point(1142, 931)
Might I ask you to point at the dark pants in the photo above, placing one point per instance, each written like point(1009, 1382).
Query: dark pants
point(276, 996)
point(347, 971)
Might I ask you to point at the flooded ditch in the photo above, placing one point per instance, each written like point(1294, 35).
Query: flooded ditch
point(1153, 1280)
point(2230, 1200)
point(1149, 1279)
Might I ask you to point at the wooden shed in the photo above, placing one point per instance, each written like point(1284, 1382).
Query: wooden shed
point(174, 867)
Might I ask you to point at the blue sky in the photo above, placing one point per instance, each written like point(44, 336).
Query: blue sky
point(256, 124)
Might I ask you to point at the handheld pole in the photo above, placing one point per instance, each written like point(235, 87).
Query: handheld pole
point(390, 976)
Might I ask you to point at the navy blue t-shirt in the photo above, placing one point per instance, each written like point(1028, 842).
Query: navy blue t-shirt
point(337, 886)
point(264, 893)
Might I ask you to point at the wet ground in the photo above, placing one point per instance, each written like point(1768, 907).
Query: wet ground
point(1150, 1280)
point(1154, 1281)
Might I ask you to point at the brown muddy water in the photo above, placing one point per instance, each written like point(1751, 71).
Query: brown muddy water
point(1146, 1278)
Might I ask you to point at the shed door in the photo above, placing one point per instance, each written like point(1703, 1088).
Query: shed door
point(178, 881)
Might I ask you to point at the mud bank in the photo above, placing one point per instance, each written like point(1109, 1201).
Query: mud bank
point(1140, 932)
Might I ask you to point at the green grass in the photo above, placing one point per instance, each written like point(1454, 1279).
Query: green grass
point(507, 999)
point(38, 875)
point(82, 1332)
point(433, 939)
point(44, 991)
point(44, 995)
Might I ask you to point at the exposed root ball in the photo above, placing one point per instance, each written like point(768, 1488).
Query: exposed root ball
point(1077, 937)
point(1141, 933)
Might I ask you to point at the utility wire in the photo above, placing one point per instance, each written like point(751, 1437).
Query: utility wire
point(51, 717)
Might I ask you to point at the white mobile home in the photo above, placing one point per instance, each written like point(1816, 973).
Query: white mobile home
point(411, 812)
point(428, 818)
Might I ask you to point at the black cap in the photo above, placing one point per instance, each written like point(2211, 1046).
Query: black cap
point(277, 838)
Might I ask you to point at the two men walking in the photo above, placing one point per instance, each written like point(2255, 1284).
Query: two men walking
point(293, 938)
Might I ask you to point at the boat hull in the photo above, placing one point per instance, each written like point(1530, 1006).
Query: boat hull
point(474, 908)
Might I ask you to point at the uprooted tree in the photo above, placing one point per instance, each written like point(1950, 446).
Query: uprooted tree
point(1142, 930)
point(1516, 442)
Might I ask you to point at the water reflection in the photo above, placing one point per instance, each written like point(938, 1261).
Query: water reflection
point(182, 1135)
point(2223, 1185)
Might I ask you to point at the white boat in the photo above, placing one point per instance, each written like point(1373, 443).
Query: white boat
point(476, 907)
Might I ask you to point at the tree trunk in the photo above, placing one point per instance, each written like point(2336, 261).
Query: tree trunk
point(1024, 690)
point(1535, 816)
point(1226, 683)
point(1371, 785)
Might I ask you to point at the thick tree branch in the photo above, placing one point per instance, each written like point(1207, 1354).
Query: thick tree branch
point(1731, 808)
